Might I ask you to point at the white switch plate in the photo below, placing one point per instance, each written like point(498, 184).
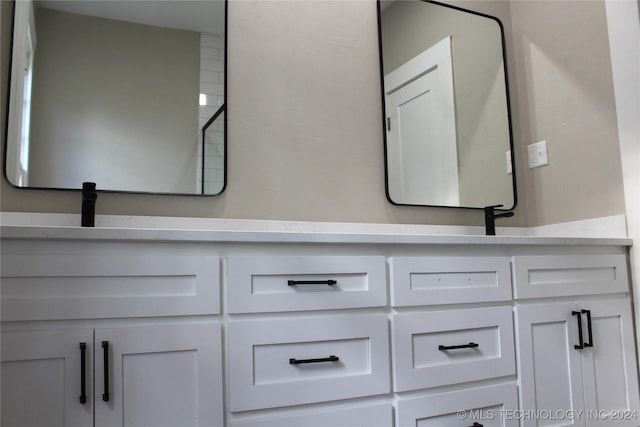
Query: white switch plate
point(509, 165)
point(537, 154)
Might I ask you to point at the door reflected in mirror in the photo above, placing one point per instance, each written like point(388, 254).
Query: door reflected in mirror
point(128, 94)
point(446, 107)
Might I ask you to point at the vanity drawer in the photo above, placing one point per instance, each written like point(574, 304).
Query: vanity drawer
point(291, 361)
point(378, 415)
point(88, 286)
point(296, 283)
point(489, 406)
point(452, 346)
point(449, 280)
point(568, 275)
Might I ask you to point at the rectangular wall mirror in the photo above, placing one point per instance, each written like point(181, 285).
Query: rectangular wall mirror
point(446, 121)
point(128, 94)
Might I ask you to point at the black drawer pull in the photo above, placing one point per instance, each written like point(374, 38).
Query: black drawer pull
point(590, 343)
point(83, 373)
point(331, 358)
point(329, 282)
point(456, 347)
point(105, 355)
point(580, 338)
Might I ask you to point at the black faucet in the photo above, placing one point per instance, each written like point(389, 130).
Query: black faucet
point(89, 196)
point(490, 219)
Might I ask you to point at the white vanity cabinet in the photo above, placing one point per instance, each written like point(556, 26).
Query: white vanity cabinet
point(234, 328)
point(577, 355)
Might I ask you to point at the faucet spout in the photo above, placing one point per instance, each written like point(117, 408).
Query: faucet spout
point(89, 197)
point(490, 219)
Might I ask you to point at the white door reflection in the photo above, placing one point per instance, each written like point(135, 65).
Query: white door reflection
point(421, 129)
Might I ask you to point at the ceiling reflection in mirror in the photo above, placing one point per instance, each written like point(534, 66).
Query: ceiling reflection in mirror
point(446, 108)
point(127, 94)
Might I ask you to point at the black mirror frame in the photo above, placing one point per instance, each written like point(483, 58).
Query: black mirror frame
point(508, 102)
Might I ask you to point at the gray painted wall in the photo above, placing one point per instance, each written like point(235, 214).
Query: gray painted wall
point(565, 96)
point(305, 134)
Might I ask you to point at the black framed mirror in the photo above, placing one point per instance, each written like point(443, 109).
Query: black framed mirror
point(128, 94)
point(446, 112)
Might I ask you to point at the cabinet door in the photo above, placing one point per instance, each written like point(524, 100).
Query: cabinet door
point(609, 367)
point(42, 378)
point(549, 365)
point(159, 376)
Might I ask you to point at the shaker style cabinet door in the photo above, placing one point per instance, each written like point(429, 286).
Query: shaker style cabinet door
point(168, 375)
point(549, 366)
point(159, 376)
point(47, 378)
point(578, 357)
point(609, 369)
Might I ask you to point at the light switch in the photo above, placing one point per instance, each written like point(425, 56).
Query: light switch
point(538, 154)
point(509, 164)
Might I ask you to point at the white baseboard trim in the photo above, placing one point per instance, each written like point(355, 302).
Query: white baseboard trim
point(608, 227)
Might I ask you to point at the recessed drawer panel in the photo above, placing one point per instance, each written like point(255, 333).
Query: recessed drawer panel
point(449, 280)
point(38, 287)
point(291, 361)
point(379, 415)
point(489, 406)
point(453, 346)
point(292, 283)
point(567, 275)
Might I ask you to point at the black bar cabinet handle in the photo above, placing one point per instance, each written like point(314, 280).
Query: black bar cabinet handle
point(590, 343)
point(105, 355)
point(83, 373)
point(329, 282)
point(331, 358)
point(456, 347)
point(579, 317)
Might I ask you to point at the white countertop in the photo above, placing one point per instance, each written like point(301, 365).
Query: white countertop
point(62, 226)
